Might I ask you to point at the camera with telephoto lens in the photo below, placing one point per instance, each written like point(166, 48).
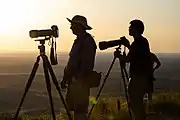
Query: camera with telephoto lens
point(112, 43)
point(54, 32)
point(49, 34)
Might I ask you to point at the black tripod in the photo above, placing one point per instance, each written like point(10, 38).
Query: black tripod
point(47, 68)
point(117, 54)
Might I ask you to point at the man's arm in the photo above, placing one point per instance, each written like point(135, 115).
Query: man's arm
point(73, 60)
point(72, 64)
point(157, 61)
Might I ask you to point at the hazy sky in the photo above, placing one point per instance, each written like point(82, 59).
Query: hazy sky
point(109, 19)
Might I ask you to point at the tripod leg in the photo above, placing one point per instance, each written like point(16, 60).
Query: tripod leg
point(123, 70)
point(126, 74)
point(48, 86)
point(36, 65)
point(99, 92)
point(58, 88)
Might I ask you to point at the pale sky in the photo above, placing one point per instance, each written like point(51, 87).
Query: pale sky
point(109, 19)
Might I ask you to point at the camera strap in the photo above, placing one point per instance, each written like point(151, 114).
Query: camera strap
point(53, 54)
point(55, 51)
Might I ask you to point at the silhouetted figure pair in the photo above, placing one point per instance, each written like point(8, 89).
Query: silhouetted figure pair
point(81, 62)
point(141, 69)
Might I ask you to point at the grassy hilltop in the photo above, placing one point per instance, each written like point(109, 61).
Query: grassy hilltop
point(166, 106)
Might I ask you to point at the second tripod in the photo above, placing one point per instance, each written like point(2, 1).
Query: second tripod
point(47, 69)
point(117, 54)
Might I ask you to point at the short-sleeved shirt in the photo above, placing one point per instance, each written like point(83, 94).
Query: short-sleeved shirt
point(139, 53)
point(82, 55)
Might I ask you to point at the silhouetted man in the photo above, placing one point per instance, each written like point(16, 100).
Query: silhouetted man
point(80, 63)
point(140, 68)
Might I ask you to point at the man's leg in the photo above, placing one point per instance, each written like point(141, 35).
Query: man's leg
point(150, 90)
point(136, 93)
point(150, 101)
point(70, 100)
point(137, 106)
point(81, 102)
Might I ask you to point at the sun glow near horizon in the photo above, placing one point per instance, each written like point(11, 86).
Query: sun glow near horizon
point(18, 14)
point(18, 17)
point(110, 20)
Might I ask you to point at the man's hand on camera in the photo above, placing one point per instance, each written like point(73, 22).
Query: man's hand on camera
point(125, 41)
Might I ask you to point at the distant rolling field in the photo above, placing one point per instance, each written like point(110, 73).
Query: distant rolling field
point(15, 70)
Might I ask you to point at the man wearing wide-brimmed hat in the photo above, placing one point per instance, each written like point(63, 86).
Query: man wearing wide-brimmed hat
point(81, 61)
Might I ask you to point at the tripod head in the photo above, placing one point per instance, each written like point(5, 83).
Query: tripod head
point(42, 41)
point(41, 47)
point(117, 52)
point(53, 54)
point(118, 48)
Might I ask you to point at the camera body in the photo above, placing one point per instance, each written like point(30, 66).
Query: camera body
point(53, 32)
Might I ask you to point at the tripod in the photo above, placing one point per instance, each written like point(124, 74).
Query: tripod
point(47, 68)
point(117, 54)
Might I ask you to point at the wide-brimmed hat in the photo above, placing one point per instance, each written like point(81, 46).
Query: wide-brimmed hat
point(80, 20)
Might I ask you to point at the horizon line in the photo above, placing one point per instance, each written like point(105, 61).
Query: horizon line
point(14, 52)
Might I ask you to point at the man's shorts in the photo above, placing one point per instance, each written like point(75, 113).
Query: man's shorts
point(77, 97)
